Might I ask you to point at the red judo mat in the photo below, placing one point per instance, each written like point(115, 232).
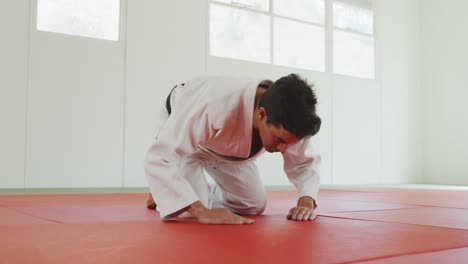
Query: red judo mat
point(353, 226)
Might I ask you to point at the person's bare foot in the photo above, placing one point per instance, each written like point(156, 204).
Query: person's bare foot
point(150, 204)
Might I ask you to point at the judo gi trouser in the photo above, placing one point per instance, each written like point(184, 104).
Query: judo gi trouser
point(237, 185)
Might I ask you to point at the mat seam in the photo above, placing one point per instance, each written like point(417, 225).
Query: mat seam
point(400, 255)
point(31, 215)
point(449, 207)
point(376, 210)
point(381, 221)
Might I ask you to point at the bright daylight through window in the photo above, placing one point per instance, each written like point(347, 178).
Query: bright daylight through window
point(293, 33)
point(88, 18)
point(353, 39)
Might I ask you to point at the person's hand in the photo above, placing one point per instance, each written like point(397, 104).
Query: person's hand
point(300, 213)
point(304, 211)
point(216, 216)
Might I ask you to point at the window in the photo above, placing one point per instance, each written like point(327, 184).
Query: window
point(290, 34)
point(299, 34)
point(299, 45)
point(293, 33)
point(88, 18)
point(306, 10)
point(263, 5)
point(239, 34)
point(353, 40)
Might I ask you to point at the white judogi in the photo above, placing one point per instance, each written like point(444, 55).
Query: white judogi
point(212, 118)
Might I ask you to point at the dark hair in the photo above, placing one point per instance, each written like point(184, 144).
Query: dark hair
point(290, 102)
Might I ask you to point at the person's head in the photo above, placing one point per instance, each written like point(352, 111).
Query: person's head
point(286, 113)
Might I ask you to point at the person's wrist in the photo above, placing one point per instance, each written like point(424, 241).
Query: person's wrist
point(308, 202)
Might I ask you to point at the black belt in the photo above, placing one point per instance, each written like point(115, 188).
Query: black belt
point(168, 100)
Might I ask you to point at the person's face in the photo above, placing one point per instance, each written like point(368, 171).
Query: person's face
point(275, 139)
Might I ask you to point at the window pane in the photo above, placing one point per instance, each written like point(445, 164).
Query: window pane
point(239, 34)
point(299, 45)
point(307, 10)
point(263, 5)
point(353, 54)
point(351, 17)
point(88, 18)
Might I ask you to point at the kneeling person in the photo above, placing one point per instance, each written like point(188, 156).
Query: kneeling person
point(221, 125)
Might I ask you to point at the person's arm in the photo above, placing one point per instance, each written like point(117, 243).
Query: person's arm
point(301, 167)
point(179, 138)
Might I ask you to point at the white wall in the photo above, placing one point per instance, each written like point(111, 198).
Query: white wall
point(14, 44)
point(90, 103)
point(356, 131)
point(399, 58)
point(75, 111)
point(445, 84)
point(165, 44)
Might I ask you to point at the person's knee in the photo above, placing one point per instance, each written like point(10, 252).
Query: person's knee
point(259, 207)
point(254, 207)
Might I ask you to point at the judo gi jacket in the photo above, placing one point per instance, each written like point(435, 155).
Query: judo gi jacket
point(215, 113)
